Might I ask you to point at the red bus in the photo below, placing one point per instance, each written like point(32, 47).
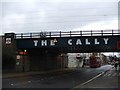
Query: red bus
point(95, 62)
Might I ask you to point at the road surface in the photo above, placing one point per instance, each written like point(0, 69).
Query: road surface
point(79, 77)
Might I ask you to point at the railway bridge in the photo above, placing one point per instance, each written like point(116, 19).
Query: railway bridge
point(48, 50)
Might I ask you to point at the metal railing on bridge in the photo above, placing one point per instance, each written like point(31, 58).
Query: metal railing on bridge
point(67, 34)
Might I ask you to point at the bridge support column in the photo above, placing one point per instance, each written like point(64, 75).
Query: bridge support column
point(8, 53)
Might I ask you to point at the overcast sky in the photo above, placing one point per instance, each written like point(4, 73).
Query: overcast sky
point(58, 15)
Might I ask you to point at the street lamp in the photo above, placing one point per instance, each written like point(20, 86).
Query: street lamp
point(24, 53)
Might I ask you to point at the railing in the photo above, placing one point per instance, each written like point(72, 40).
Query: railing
point(67, 34)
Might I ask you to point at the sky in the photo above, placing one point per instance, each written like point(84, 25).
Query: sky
point(58, 15)
point(24, 16)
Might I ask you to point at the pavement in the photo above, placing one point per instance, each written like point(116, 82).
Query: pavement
point(21, 74)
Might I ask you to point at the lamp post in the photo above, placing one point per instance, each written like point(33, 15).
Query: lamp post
point(24, 52)
point(23, 62)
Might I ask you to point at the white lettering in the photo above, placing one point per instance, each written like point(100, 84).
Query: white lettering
point(96, 41)
point(44, 42)
point(87, 42)
point(35, 42)
point(70, 41)
point(78, 42)
point(106, 40)
point(52, 43)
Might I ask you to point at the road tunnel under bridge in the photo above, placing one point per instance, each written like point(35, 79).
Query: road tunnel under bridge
point(41, 59)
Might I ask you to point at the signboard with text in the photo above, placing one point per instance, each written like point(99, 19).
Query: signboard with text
point(107, 43)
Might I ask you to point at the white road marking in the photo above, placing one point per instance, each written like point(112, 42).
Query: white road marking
point(29, 81)
point(105, 74)
point(114, 74)
point(89, 80)
point(12, 84)
point(109, 74)
point(22, 83)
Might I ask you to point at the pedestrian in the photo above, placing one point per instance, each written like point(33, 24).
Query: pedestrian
point(116, 64)
point(119, 63)
point(83, 64)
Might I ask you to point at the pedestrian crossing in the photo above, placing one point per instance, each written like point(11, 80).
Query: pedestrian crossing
point(111, 74)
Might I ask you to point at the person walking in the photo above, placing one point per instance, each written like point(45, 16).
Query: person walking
point(116, 64)
point(119, 63)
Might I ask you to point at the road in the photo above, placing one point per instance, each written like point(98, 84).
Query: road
point(63, 79)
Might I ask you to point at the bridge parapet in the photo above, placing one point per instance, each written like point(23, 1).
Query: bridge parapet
point(67, 34)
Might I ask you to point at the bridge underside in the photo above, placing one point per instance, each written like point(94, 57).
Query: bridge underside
point(88, 49)
point(46, 59)
point(51, 58)
point(42, 59)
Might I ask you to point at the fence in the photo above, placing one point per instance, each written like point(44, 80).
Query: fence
point(67, 34)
